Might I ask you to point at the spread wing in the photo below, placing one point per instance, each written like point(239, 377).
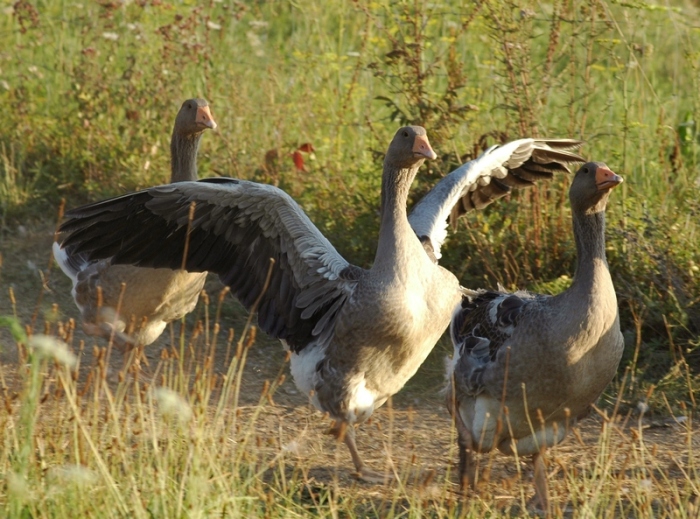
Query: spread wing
point(236, 227)
point(480, 326)
point(479, 182)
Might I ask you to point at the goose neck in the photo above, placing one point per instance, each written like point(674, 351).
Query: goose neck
point(183, 156)
point(591, 264)
point(394, 230)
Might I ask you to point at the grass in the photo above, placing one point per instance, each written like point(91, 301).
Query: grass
point(91, 90)
point(192, 436)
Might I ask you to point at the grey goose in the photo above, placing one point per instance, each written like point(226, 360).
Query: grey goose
point(109, 296)
point(544, 358)
point(355, 335)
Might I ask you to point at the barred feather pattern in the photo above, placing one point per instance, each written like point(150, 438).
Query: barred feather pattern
point(480, 327)
point(495, 173)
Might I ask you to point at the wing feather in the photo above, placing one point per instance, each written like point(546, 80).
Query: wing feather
point(236, 228)
point(481, 326)
point(479, 182)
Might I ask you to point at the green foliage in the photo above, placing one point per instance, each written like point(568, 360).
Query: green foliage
point(15, 328)
point(91, 90)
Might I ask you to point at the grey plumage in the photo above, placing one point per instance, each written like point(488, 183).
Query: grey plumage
point(544, 358)
point(157, 296)
point(356, 335)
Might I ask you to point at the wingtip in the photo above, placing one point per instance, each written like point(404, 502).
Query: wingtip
point(565, 154)
point(562, 144)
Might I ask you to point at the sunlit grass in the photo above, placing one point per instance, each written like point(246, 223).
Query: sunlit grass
point(171, 439)
point(90, 91)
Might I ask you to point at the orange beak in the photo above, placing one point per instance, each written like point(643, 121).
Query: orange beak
point(205, 118)
point(421, 146)
point(606, 179)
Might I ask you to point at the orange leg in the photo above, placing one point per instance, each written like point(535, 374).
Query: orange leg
point(467, 468)
point(347, 433)
point(541, 488)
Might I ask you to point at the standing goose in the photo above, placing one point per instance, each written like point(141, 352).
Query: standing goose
point(152, 297)
point(544, 358)
point(356, 335)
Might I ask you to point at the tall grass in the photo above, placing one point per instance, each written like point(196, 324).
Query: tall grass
point(176, 441)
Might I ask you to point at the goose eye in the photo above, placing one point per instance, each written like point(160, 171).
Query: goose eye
point(585, 170)
point(405, 134)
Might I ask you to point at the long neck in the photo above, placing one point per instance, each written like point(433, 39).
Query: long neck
point(183, 156)
point(592, 273)
point(395, 234)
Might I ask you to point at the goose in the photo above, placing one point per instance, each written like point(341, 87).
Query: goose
point(355, 335)
point(154, 297)
point(544, 358)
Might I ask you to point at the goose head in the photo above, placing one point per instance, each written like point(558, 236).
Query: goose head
point(409, 148)
point(591, 187)
point(194, 117)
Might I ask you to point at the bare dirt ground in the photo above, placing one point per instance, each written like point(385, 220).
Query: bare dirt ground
point(414, 431)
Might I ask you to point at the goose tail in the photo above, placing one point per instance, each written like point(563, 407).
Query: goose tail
point(71, 264)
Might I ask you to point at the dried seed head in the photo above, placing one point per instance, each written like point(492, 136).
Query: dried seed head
point(293, 447)
point(251, 337)
point(17, 486)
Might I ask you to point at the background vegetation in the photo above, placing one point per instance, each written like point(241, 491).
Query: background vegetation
point(90, 90)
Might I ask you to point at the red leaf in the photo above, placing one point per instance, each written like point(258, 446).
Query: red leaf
point(298, 160)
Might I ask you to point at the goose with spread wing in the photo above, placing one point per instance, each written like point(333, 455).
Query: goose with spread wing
point(356, 335)
point(544, 358)
point(492, 175)
point(109, 296)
